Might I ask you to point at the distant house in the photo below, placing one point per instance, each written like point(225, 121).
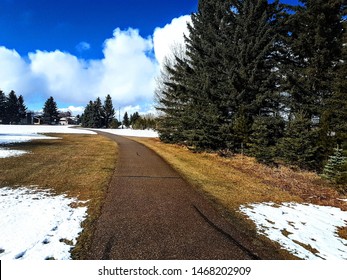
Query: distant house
point(64, 121)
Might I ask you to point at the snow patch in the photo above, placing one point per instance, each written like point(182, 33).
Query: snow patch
point(306, 230)
point(11, 134)
point(148, 133)
point(36, 225)
point(34, 129)
point(5, 153)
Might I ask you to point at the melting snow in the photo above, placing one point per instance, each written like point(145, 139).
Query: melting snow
point(4, 153)
point(35, 225)
point(300, 227)
point(10, 134)
point(133, 132)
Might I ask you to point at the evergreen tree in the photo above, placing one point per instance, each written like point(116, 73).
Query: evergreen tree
point(266, 131)
point(22, 109)
point(315, 52)
point(88, 118)
point(299, 146)
point(134, 118)
point(336, 106)
point(12, 109)
point(252, 65)
point(2, 107)
point(126, 121)
point(336, 167)
point(172, 99)
point(108, 111)
point(99, 113)
point(50, 111)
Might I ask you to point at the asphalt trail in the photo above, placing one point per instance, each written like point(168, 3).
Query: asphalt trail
point(151, 213)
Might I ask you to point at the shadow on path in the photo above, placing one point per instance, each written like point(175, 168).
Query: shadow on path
point(151, 213)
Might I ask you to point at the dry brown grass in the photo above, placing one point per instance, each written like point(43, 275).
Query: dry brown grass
point(342, 232)
point(240, 180)
point(78, 165)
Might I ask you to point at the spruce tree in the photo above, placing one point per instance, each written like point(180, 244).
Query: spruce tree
point(315, 45)
point(2, 107)
point(126, 121)
point(12, 109)
point(22, 109)
point(108, 111)
point(252, 65)
point(88, 119)
point(99, 114)
point(134, 118)
point(266, 130)
point(336, 167)
point(299, 145)
point(50, 111)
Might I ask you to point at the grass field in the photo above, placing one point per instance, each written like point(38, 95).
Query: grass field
point(78, 165)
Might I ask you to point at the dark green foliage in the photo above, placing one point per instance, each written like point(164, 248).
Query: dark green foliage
point(97, 115)
point(143, 122)
point(12, 108)
point(314, 64)
point(266, 130)
point(336, 168)
point(22, 109)
point(299, 146)
point(2, 107)
point(108, 111)
point(50, 112)
point(260, 78)
point(134, 118)
point(126, 120)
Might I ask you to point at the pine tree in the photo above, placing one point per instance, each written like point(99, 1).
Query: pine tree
point(252, 64)
point(12, 109)
point(126, 121)
point(134, 118)
point(266, 130)
point(315, 54)
point(336, 167)
point(172, 99)
point(88, 118)
point(108, 111)
point(2, 107)
point(50, 111)
point(99, 114)
point(299, 146)
point(22, 109)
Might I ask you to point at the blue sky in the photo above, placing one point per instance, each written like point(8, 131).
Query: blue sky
point(28, 25)
point(76, 50)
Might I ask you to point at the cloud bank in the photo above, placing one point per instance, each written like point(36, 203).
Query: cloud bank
point(127, 70)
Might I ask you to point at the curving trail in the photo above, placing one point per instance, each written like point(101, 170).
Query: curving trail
point(151, 213)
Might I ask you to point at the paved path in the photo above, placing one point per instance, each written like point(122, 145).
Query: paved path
point(150, 213)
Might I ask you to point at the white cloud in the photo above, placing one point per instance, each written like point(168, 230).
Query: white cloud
point(83, 46)
point(170, 35)
point(127, 71)
point(74, 110)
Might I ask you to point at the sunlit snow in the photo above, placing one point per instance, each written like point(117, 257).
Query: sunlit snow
point(11, 134)
point(306, 230)
point(149, 133)
point(36, 225)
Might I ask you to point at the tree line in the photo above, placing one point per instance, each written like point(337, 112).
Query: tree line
point(12, 108)
point(261, 78)
point(98, 115)
point(14, 111)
